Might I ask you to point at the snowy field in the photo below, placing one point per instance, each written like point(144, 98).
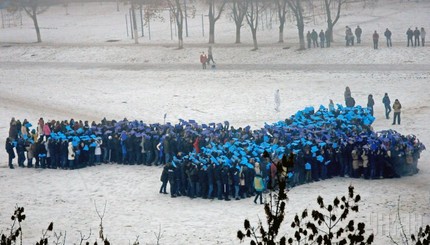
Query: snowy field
point(76, 74)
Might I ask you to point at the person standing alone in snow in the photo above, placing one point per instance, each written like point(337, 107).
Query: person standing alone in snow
point(386, 101)
point(277, 101)
point(396, 107)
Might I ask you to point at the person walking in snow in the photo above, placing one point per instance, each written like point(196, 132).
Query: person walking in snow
point(397, 108)
point(308, 39)
point(423, 36)
point(387, 103)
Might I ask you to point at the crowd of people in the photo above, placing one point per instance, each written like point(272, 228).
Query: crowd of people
point(323, 38)
point(221, 161)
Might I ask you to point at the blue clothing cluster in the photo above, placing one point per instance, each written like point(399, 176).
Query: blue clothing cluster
point(219, 160)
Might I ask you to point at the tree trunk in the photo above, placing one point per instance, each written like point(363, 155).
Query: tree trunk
point(330, 31)
point(36, 25)
point(254, 38)
point(238, 27)
point(301, 29)
point(211, 30)
point(180, 36)
point(281, 31)
point(133, 13)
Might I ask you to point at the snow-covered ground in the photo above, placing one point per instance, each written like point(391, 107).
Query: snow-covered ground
point(75, 73)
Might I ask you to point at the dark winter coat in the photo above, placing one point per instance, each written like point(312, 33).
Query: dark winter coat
point(387, 34)
point(350, 102)
point(370, 102)
point(409, 33)
point(386, 101)
point(9, 148)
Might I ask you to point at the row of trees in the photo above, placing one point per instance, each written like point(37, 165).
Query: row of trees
point(248, 11)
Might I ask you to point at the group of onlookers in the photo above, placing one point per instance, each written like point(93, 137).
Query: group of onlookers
point(414, 37)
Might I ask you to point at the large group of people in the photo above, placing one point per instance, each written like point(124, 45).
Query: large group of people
point(414, 37)
point(219, 160)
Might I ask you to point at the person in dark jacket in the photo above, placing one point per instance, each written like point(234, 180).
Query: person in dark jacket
point(13, 129)
point(409, 35)
point(164, 178)
point(20, 150)
point(9, 149)
point(327, 38)
point(322, 38)
point(314, 37)
point(370, 103)
point(225, 182)
point(42, 153)
point(211, 180)
point(236, 182)
point(387, 35)
point(350, 102)
point(358, 33)
point(63, 153)
point(375, 38)
point(218, 181)
point(172, 179)
point(308, 39)
point(167, 149)
point(347, 93)
point(417, 34)
point(386, 101)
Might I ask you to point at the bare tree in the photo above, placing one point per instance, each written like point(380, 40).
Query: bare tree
point(239, 8)
point(176, 9)
point(33, 8)
point(330, 7)
point(214, 7)
point(255, 7)
point(281, 6)
point(297, 9)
